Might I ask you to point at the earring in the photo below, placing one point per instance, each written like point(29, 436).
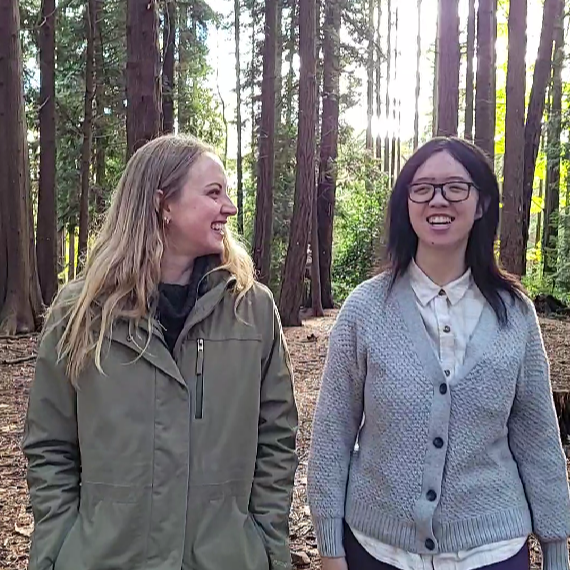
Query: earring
point(166, 221)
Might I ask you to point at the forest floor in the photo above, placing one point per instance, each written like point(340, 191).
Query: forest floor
point(308, 345)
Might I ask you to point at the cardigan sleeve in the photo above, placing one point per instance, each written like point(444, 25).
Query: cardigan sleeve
point(336, 423)
point(534, 440)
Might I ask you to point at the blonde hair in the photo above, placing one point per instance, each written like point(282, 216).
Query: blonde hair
point(122, 272)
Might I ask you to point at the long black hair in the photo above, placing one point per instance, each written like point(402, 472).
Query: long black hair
point(480, 254)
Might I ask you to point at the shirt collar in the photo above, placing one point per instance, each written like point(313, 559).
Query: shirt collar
point(426, 290)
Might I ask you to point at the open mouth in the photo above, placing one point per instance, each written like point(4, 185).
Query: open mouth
point(440, 220)
point(219, 227)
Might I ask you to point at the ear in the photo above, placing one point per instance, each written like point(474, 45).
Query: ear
point(158, 196)
point(482, 206)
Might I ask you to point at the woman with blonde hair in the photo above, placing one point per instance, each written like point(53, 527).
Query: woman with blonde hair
point(161, 424)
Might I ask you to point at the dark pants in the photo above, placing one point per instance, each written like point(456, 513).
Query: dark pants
point(358, 559)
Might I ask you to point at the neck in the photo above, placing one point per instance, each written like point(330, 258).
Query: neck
point(442, 267)
point(176, 269)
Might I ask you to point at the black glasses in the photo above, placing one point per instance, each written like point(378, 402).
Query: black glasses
point(423, 192)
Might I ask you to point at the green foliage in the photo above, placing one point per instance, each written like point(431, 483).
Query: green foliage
point(362, 192)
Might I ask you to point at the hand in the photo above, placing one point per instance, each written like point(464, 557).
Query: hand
point(334, 564)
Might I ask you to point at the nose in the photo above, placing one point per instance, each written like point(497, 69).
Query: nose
point(228, 207)
point(438, 200)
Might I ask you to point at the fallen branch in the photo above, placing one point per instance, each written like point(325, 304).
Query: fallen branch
point(17, 336)
point(19, 360)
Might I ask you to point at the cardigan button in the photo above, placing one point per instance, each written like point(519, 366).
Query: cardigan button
point(446, 329)
point(431, 495)
point(441, 293)
point(430, 544)
point(443, 388)
point(447, 373)
point(438, 442)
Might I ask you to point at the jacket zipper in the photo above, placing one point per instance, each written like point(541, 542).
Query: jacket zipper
point(200, 380)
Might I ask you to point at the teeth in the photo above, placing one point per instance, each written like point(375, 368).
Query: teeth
point(218, 227)
point(440, 220)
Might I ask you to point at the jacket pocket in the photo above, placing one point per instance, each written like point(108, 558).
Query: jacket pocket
point(227, 537)
point(111, 529)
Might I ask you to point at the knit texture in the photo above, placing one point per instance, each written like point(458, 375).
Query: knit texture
point(440, 466)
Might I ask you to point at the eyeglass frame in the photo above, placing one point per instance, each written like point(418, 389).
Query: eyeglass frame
point(442, 191)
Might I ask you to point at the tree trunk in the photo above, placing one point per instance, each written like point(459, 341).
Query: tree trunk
point(263, 231)
point(90, 14)
point(71, 253)
point(378, 79)
point(143, 74)
point(238, 119)
point(485, 97)
point(182, 88)
point(370, 79)
point(295, 262)
point(418, 59)
point(169, 48)
point(532, 131)
point(291, 51)
point(46, 236)
point(393, 151)
point(329, 147)
point(20, 302)
point(388, 82)
point(316, 288)
point(435, 87)
point(512, 246)
point(469, 81)
point(448, 68)
point(101, 134)
point(552, 201)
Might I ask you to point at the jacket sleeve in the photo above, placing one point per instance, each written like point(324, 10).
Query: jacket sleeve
point(534, 439)
point(338, 417)
point(51, 447)
point(276, 457)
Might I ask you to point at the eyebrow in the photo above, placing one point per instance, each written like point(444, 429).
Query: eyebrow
point(445, 180)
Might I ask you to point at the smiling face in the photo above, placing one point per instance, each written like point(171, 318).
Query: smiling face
point(196, 217)
point(439, 223)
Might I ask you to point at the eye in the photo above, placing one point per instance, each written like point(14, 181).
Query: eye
point(214, 192)
point(421, 189)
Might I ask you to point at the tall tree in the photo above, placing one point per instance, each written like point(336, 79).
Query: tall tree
point(388, 82)
point(143, 73)
point(552, 198)
point(90, 15)
point(435, 86)
point(448, 68)
point(46, 234)
point(512, 246)
point(394, 103)
point(239, 127)
point(370, 78)
point(485, 97)
point(329, 146)
point(418, 59)
point(378, 78)
point(169, 48)
point(469, 80)
point(263, 230)
point(20, 296)
point(532, 131)
point(295, 262)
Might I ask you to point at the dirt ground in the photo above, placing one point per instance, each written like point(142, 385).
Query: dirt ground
point(308, 346)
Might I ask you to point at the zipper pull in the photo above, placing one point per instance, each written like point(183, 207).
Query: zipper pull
point(200, 359)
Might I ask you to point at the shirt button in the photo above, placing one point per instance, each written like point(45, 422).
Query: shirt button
point(447, 372)
point(430, 544)
point(441, 293)
point(431, 495)
point(438, 442)
point(446, 329)
point(443, 387)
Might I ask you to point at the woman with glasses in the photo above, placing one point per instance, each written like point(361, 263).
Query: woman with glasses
point(435, 440)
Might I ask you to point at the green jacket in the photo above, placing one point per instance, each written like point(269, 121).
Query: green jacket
point(163, 457)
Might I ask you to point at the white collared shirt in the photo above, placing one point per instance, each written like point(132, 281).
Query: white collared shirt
point(450, 315)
